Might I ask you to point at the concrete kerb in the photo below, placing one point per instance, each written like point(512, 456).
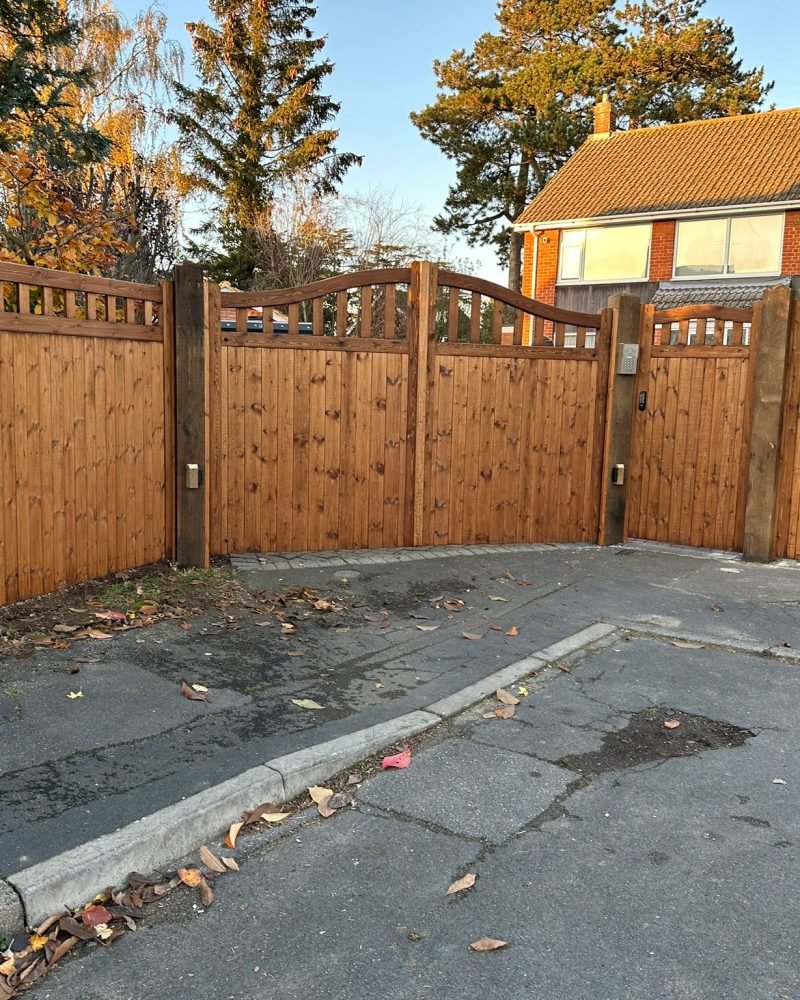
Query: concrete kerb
point(75, 876)
point(12, 916)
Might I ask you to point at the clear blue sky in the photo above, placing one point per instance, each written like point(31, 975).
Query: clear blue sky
point(384, 50)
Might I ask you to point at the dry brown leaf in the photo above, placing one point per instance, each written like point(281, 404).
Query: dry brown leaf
point(466, 882)
point(427, 628)
point(7, 968)
point(275, 817)
point(190, 877)
point(308, 703)
point(672, 724)
point(471, 635)
point(233, 833)
point(435, 600)
point(189, 693)
point(319, 794)
point(456, 604)
point(506, 697)
point(92, 916)
point(230, 863)
point(488, 944)
point(66, 628)
point(206, 893)
point(200, 688)
point(339, 800)
point(210, 860)
point(513, 631)
point(95, 633)
point(505, 711)
point(354, 779)
point(287, 628)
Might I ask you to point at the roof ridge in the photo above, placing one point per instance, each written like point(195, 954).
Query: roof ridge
point(700, 121)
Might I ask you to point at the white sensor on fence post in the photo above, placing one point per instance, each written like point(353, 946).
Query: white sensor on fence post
point(193, 476)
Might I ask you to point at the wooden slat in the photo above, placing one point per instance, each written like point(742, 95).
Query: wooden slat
point(167, 325)
point(241, 321)
point(538, 331)
point(709, 351)
point(365, 313)
point(24, 299)
point(47, 301)
point(683, 332)
point(737, 334)
point(475, 319)
point(390, 311)
point(559, 334)
point(302, 293)
point(497, 321)
point(510, 351)
point(130, 311)
point(519, 319)
point(294, 319)
point(453, 313)
point(317, 317)
point(700, 332)
point(341, 313)
point(306, 343)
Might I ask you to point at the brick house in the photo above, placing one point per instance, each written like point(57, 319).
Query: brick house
point(706, 211)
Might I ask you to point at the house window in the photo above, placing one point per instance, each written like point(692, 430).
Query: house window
point(740, 245)
point(604, 253)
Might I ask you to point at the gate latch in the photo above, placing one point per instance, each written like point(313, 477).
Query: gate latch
point(194, 477)
point(618, 475)
point(642, 401)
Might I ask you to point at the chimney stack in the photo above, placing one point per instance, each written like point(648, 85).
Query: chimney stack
point(605, 120)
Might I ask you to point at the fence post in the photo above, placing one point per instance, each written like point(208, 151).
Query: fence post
point(191, 417)
point(421, 361)
point(626, 312)
point(769, 379)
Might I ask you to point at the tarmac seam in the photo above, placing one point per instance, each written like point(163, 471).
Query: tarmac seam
point(71, 878)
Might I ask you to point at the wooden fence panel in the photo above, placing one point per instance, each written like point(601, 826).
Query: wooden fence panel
point(311, 450)
point(83, 431)
point(690, 444)
point(516, 450)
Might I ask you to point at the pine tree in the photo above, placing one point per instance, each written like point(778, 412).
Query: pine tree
point(511, 111)
point(36, 80)
point(258, 117)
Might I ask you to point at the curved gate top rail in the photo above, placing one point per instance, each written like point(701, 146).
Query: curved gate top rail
point(466, 309)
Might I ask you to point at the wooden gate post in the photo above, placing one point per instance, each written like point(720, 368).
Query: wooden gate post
point(191, 417)
point(769, 379)
point(626, 312)
point(421, 361)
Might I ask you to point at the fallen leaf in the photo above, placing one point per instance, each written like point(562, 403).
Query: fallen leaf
point(354, 779)
point(435, 600)
point(186, 626)
point(233, 833)
point(319, 794)
point(79, 931)
point(503, 599)
point(95, 633)
point(111, 616)
point(275, 817)
point(288, 628)
point(210, 860)
point(687, 645)
point(378, 685)
point(471, 635)
point(488, 715)
point(455, 605)
point(488, 944)
point(306, 703)
point(339, 801)
point(230, 863)
point(8, 967)
point(62, 949)
point(505, 711)
point(94, 915)
point(427, 628)
point(191, 694)
point(672, 724)
point(206, 893)
point(201, 688)
point(717, 607)
point(513, 631)
point(295, 653)
point(38, 941)
point(506, 697)
point(399, 760)
point(103, 931)
point(778, 781)
point(255, 815)
point(564, 668)
point(522, 691)
point(190, 877)
point(466, 882)
point(75, 694)
point(66, 628)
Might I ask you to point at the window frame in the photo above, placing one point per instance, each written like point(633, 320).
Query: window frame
point(725, 276)
point(603, 281)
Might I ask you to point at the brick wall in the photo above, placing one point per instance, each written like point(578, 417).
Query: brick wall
point(791, 244)
point(547, 267)
point(662, 251)
point(527, 265)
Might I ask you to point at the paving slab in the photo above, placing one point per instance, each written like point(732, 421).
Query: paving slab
point(474, 794)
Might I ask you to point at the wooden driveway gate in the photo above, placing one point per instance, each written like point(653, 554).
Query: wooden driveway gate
point(691, 428)
point(401, 407)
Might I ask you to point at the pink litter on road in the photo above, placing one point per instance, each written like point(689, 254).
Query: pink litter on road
point(398, 760)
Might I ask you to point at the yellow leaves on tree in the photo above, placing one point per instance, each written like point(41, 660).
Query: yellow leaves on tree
point(42, 224)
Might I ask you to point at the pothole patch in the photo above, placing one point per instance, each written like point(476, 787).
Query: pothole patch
point(646, 739)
